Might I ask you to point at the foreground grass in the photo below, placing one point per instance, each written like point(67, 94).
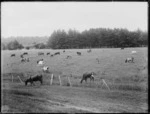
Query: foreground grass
point(20, 98)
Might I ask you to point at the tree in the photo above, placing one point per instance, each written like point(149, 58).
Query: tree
point(13, 45)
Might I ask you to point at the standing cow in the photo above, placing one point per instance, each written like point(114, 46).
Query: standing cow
point(87, 75)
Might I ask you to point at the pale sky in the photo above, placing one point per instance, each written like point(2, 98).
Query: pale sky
point(42, 18)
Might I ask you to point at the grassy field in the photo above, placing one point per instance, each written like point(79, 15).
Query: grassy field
point(128, 82)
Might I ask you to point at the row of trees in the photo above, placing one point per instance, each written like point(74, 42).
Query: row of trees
point(97, 38)
point(92, 38)
point(13, 45)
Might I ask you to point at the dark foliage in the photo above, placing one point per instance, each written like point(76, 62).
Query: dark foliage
point(97, 38)
point(13, 45)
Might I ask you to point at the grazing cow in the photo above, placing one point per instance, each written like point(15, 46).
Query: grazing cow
point(129, 60)
point(40, 62)
point(25, 53)
point(23, 60)
point(52, 55)
point(40, 53)
point(45, 69)
point(133, 52)
point(89, 50)
point(34, 78)
point(63, 51)
point(57, 53)
point(87, 75)
point(48, 53)
point(21, 56)
point(68, 57)
point(78, 53)
point(13, 55)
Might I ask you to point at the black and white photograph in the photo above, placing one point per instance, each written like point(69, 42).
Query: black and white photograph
point(74, 57)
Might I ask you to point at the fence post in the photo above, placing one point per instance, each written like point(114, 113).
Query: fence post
point(51, 79)
point(20, 79)
point(105, 84)
point(59, 80)
point(69, 81)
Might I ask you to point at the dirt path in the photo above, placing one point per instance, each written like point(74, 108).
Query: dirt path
point(73, 99)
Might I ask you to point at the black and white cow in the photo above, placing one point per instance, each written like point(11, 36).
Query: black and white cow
point(129, 60)
point(40, 62)
point(45, 69)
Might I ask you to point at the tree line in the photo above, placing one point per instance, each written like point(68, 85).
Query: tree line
point(92, 38)
point(97, 38)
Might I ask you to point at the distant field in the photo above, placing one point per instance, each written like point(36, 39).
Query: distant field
point(127, 78)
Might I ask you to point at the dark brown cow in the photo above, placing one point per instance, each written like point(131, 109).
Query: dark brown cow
point(78, 53)
point(25, 53)
point(13, 55)
point(87, 75)
point(48, 53)
point(34, 78)
point(57, 53)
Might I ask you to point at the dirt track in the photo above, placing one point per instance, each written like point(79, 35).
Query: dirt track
point(71, 99)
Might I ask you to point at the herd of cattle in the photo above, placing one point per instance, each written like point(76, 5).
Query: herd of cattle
point(46, 68)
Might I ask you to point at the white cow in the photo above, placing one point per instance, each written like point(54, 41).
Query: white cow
point(40, 62)
point(133, 52)
point(45, 68)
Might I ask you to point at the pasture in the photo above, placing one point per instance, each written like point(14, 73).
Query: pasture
point(128, 82)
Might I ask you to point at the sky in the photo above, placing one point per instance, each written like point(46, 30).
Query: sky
point(42, 18)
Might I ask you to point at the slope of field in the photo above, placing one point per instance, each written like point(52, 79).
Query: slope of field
point(127, 81)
